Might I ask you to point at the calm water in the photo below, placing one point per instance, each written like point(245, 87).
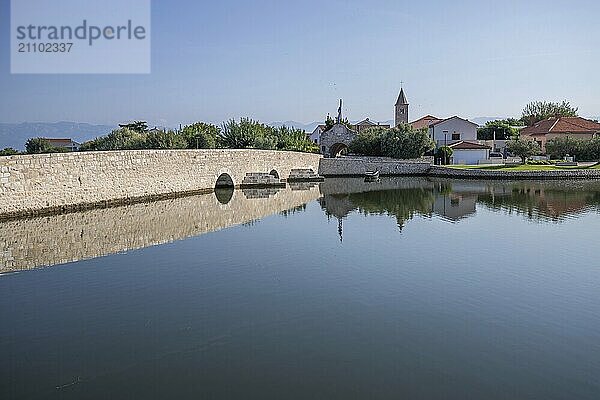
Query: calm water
point(407, 288)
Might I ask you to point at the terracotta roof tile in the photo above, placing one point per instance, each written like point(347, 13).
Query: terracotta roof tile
point(562, 125)
point(424, 122)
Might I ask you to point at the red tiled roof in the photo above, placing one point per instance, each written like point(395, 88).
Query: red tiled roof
point(60, 141)
point(562, 125)
point(462, 145)
point(424, 122)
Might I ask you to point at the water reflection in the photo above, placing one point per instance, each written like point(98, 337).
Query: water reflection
point(44, 241)
point(455, 200)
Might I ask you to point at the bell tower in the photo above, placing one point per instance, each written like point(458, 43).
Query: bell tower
point(401, 115)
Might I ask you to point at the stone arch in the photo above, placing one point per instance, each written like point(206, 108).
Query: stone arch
point(274, 173)
point(224, 180)
point(338, 149)
point(224, 194)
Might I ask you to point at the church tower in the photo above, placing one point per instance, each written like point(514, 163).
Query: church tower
point(401, 109)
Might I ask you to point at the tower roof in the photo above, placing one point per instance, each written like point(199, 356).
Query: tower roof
point(401, 98)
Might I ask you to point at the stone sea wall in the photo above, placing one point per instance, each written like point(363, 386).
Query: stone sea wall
point(567, 174)
point(63, 181)
point(44, 241)
point(356, 166)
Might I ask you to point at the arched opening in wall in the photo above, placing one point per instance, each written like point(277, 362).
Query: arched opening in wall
point(224, 194)
point(224, 188)
point(224, 180)
point(274, 173)
point(338, 149)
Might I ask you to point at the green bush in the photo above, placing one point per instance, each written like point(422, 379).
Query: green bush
point(523, 148)
point(405, 143)
point(400, 142)
point(8, 151)
point(445, 153)
point(41, 145)
point(581, 149)
point(201, 135)
point(236, 135)
point(368, 142)
point(118, 139)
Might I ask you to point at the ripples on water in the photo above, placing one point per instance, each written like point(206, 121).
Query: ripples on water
point(405, 288)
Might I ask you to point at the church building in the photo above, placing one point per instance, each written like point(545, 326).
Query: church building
point(401, 115)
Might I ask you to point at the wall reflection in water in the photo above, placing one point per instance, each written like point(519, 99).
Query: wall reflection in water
point(45, 241)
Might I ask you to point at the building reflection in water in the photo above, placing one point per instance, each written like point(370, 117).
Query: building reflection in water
point(455, 200)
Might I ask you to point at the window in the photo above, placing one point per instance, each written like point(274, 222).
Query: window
point(456, 136)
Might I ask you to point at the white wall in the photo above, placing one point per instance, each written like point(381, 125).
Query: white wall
point(469, 157)
point(315, 137)
point(467, 131)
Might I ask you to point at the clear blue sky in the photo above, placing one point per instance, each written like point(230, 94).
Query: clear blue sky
point(282, 60)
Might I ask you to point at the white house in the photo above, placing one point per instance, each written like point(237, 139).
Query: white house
point(315, 136)
point(469, 153)
point(452, 130)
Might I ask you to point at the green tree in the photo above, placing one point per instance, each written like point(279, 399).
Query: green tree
point(8, 151)
point(329, 122)
point(399, 142)
point(201, 135)
point(136, 126)
point(247, 133)
point(293, 139)
point(164, 140)
point(559, 147)
point(445, 152)
point(404, 142)
point(523, 148)
point(118, 139)
point(505, 129)
point(38, 146)
point(368, 142)
point(539, 110)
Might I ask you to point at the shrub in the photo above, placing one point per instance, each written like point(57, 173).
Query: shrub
point(404, 142)
point(399, 142)
point(41, 145)
point(8, 151)
point(368, 142)
point(523, 148)
point(445, 153)
point(561, 146)
point(201, 135)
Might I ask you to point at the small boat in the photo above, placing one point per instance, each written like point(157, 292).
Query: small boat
point(372, 174)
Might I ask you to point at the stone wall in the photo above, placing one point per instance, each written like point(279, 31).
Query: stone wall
point(56, 182)
point(566, 174)
point(44, 241)
point(338, 134)
point(357, 166)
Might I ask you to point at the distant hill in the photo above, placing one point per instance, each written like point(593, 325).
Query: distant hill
point(15, 135)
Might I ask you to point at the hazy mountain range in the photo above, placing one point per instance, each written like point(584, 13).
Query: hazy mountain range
point(15, 135)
